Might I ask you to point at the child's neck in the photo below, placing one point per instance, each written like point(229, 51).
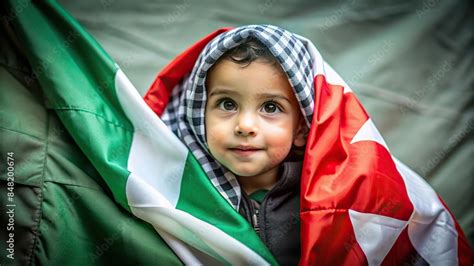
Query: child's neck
point(267, 180)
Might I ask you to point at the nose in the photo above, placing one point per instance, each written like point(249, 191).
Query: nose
point(246, 125)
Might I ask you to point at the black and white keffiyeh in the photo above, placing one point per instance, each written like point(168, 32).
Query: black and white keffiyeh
point(185, 111)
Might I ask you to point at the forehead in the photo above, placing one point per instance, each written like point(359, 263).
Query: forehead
point(256, 78)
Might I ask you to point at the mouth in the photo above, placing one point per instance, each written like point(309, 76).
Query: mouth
point(244, 150)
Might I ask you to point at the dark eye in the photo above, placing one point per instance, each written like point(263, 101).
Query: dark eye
point(271, 107)
point(227, 105)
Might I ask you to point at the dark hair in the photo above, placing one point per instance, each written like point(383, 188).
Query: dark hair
point(249, 51)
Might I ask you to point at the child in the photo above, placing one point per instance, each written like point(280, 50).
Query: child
point(245, 114)
point(252, 119)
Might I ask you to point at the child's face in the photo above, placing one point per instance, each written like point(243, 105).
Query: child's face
point(252, 117)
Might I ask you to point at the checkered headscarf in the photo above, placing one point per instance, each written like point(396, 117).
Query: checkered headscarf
point(185, 111)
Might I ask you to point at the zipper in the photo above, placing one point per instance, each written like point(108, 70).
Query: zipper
point(256, 226)
point(253, 214)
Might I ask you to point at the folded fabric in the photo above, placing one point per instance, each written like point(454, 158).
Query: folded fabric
point(359, 206)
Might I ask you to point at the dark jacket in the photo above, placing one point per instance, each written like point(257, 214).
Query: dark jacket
point(276, 219)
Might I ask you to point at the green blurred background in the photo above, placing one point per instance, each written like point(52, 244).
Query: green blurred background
point(409, 62)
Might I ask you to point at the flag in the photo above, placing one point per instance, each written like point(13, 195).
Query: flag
point(147, 169)
point(359, 204)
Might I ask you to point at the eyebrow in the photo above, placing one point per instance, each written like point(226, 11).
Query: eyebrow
point(272, 96)
point(220, 91)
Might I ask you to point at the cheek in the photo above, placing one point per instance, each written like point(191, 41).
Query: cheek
point(215, 134)
point(279, 140)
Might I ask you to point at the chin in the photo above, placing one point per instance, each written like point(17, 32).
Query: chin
point(245, 172)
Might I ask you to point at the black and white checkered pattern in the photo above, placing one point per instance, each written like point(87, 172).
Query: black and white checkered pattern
point(185, 111)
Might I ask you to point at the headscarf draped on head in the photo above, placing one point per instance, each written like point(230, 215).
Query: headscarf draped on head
point(185, 111)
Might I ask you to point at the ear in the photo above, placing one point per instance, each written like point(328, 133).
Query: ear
point(301, 135)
